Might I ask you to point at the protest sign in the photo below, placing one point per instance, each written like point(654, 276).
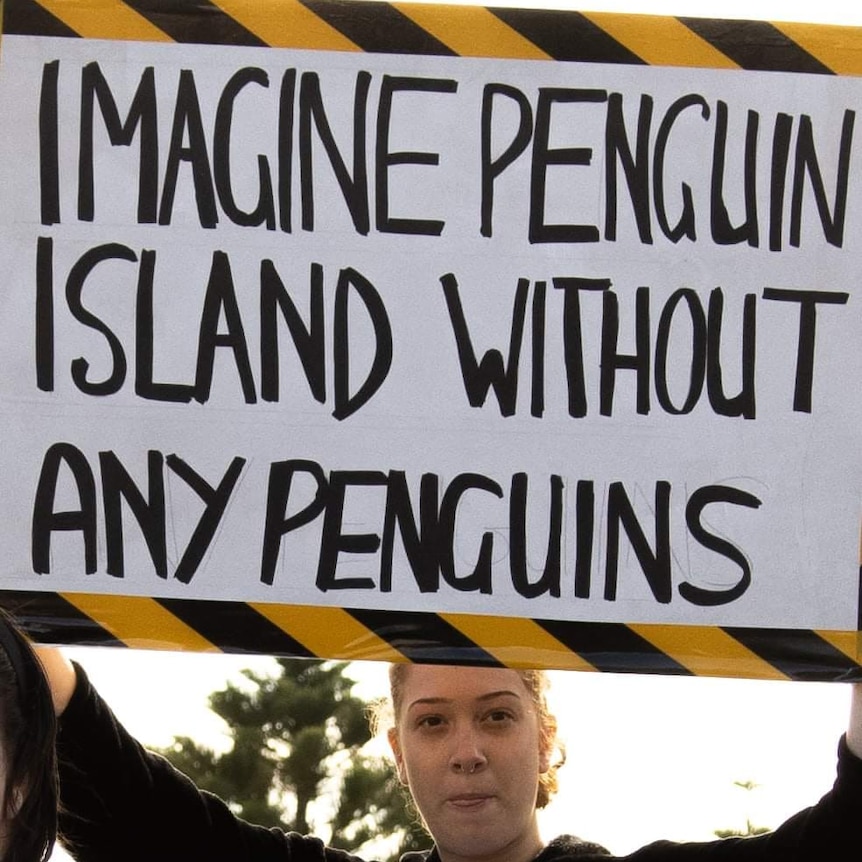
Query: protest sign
point(326, 333)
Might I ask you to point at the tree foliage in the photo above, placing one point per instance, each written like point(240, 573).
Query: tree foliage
point(750, 828)
point(298, 737)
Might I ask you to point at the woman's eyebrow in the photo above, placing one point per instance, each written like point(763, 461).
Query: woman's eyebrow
point(428, 701)
point(492, 695)
point(434, 701)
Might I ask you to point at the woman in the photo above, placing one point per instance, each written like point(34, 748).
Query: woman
point(474, 746)
point(28, 770)
point(468, 751)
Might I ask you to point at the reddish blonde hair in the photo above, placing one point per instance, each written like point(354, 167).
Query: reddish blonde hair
point(535, 681)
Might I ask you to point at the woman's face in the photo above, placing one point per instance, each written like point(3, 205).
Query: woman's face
point(467, 744)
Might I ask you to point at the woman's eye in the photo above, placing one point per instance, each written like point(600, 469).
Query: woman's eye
point(430, 721)
point(499, 716)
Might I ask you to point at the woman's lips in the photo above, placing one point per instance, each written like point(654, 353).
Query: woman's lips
point(468, 801)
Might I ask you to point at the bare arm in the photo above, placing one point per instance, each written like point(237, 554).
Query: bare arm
point(61, 676)
point(854, 729)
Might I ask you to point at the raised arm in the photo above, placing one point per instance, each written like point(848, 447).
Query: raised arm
point(854, 729)
point(61, 676)
point(111, 788)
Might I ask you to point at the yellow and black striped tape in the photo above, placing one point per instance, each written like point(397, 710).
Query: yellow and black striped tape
point(361, 634)
point(345, 633)
point(417, 28)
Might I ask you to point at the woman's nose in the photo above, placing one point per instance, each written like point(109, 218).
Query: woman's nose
point(467, 755)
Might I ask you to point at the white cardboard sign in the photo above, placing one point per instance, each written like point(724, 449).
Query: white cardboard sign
point(524, 338)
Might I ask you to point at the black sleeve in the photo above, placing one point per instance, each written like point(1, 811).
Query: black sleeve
point(120, 801)
point(831, 829)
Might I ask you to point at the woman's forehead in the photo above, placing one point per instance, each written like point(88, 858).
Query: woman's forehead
point(448, 682)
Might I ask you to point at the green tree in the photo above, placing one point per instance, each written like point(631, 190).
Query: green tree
point(750, 828)
point(297, 736)
point(373, 804)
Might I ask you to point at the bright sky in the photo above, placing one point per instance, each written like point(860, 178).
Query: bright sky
point(649, 757)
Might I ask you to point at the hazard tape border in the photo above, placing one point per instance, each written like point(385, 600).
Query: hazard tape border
point(355, 634)
point(478, 31)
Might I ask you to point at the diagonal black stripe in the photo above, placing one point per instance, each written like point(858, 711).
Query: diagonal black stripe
point(26, 18)
point(49, 618)
point(195, 22)
point(234, 627)
point(377, 27)
point(423, 637)
point(613, 647)
point(756, 45)
point(798, 653)
point(567, 35)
